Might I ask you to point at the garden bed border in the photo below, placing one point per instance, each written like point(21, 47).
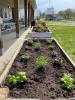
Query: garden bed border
point(37, 34)
point(64, 53)
point(4, 74)
point(41, 35)
point(7, 59)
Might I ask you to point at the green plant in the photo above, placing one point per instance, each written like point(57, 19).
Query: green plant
point(42, 29)
point(35, 40)
point(25, 57)
point(37, 46)
point(12, 79)
point(67, 81)
point(51, 47)
point(54, 53)
point(30, 42)
point(21, 77)
point(49, 41)
point(58, 62)
point(41, 62)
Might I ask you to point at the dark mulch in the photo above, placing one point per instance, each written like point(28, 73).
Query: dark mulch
point(44, 85)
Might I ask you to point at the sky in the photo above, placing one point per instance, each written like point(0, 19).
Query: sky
point(57, 4)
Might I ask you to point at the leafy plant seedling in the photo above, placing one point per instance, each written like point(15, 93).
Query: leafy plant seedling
point(37, 46)
point(21, 77)
point(67, 82)
point(30, 42)
point(49, 41)
point(51, 47)
point(35, 40)
point(57, 62)
point(12, 80)
point(25, 57)
point(54, 53)
point(41, 62)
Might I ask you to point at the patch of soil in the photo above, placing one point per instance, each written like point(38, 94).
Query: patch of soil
point(44, 85)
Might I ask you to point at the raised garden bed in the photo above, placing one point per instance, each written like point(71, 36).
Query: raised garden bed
point(40, 34)
point(40, 30)
point(43, 74)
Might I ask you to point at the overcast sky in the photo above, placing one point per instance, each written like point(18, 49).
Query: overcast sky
point(57, 4)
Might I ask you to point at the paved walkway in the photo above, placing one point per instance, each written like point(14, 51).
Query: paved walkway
point(10, 38)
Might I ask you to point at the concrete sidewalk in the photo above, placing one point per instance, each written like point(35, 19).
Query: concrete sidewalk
point(10, 38)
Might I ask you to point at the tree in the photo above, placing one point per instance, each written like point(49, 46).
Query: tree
point(67, 14)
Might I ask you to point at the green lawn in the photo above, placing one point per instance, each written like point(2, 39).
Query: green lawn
point(65, 36)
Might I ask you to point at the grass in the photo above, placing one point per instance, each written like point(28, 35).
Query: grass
point(65, 36)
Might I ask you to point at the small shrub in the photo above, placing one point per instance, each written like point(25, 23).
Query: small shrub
point(51, 47)
point(58, 62)
point(12, 80)
point(67, 82)
point(21, 77)
point(35, 40)
point(41, 62)
point(49, 41)
point(37, 46)
point(25, 57)
point(30, 42)
point(54, 53)
point(43, 29)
